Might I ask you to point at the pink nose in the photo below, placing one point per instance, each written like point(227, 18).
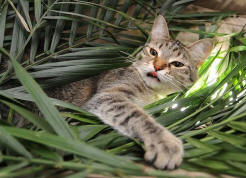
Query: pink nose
point(159, 64)
point(156, 68)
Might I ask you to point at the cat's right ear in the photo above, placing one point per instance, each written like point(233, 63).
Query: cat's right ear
point(200, 50)
point(159, 32)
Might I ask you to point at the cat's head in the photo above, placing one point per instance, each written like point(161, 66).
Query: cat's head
point(166, 64)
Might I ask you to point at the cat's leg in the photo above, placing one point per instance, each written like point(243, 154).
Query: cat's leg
point(163, 149)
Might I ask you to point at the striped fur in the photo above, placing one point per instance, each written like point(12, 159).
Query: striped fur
point(117, 102)
point(117, 97)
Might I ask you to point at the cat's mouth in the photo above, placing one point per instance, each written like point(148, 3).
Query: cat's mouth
point(153, 75)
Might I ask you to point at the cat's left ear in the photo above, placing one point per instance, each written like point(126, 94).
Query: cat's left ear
point(159, 31)
point(200, 50)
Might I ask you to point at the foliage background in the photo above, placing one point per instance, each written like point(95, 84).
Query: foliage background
point(52, 42)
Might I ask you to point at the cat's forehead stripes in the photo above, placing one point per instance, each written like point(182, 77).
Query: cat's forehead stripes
point(160, 45)
point(170, 44)
point(169, 49)
point(174, 45)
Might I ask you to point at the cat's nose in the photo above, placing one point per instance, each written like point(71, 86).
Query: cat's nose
point(156, 68)
point(159, 64)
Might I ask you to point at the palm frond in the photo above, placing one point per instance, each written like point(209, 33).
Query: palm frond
point(62, 41)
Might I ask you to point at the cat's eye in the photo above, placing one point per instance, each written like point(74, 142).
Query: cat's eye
point(177, 64)
point(153, 52)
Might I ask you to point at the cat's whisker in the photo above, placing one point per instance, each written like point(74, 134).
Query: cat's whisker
point(130, 58)
point(176, 81)
point(128, 54)
point(166, 78)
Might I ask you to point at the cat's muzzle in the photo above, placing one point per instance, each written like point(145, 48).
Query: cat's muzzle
point(153, 75)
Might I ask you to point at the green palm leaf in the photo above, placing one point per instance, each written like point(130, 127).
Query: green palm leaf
point(59, 41)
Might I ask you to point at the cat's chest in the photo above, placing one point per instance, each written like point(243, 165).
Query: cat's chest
point(151, 96)
point(146, 98)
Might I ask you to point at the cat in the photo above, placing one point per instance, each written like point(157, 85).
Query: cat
point(117, 97)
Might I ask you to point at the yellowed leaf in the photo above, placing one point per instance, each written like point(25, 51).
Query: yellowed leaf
point(22, 20)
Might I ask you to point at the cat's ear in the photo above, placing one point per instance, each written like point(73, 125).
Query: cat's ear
point(200, 50)
point(159, 31)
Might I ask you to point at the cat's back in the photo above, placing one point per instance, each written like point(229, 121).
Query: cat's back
point(126, 80)
point(76, 93)
point(128, 83)
point(119, 77)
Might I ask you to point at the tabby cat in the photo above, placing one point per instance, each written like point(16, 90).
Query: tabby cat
point(117, 97)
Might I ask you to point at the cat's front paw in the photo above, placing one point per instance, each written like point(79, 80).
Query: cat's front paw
point(164, 151)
